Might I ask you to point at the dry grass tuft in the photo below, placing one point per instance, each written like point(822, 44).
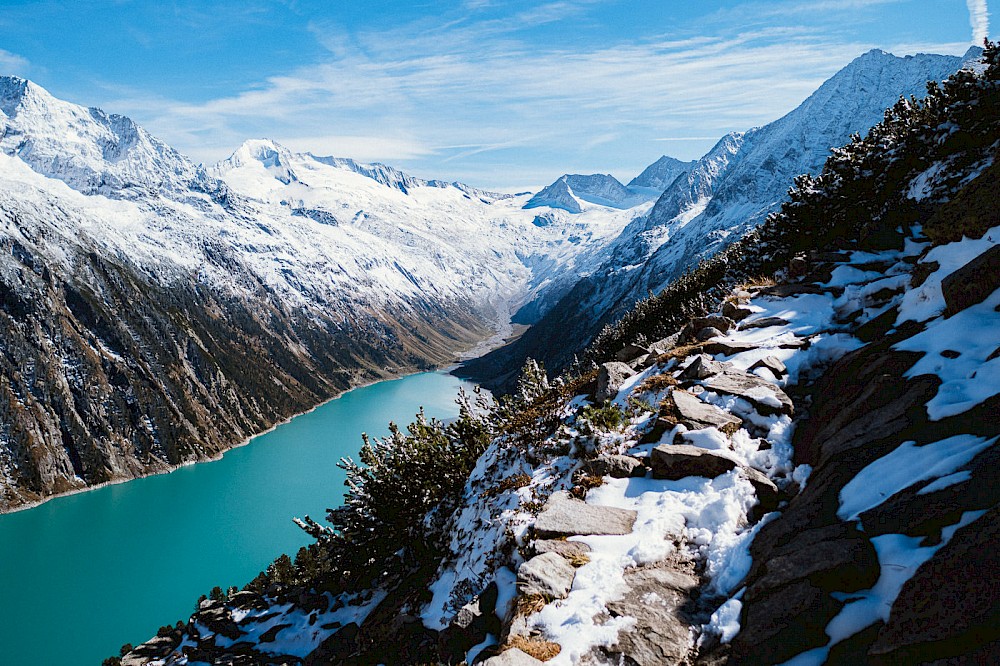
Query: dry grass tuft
point(528, 604)
point(536, 647)
point(578, 559)
point(656, 383)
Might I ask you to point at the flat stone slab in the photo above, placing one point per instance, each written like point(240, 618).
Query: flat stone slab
point(763, 322)
point(678, 461)
point(728, 347)
point(764, 396)
point(696, 414)
point(656, 599)
point(548, 574)
point(767, 492)
point(972, 283)
point(560, 547)
point(566, 516)
point(630, 352)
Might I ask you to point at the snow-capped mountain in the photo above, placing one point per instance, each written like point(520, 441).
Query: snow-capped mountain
point(572, 192)
point(127, 267)
point(728, 192)
point(660, 174)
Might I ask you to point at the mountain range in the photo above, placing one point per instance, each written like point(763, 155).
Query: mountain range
point(136, 284)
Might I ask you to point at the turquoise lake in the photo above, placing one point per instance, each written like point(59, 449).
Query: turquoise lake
point(82, 574)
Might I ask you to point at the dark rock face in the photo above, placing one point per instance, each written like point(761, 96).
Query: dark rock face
point(951, 606)
point(972, 283)
point(781, 625)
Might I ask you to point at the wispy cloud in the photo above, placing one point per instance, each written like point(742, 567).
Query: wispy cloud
point(979, 19)
point(13, 64)
point(443, 92)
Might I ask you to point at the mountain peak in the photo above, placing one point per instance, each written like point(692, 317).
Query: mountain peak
point(569, 190)
point(661, 173)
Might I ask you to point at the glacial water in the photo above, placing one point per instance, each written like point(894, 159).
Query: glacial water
point(82, 574)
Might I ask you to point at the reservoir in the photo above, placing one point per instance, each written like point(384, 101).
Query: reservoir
point(82, 574)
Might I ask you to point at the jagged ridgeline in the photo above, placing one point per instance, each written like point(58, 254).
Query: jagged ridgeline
point(861, 197)
point(928, 168)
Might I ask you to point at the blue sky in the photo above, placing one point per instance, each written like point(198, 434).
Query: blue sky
point(498, 93)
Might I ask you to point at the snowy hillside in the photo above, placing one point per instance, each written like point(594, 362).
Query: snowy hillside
point(727, 192)
point(660, 174)
point(368, 271)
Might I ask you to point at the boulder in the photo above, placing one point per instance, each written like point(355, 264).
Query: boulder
point(656, 598)
point(677, 461)
point(767, 492)
point(548, 574)
point(566, 516)
point(615, 466)
point(696, 414)
point(702, 367)
point(512, 657)
point(973, 282)
point(567, 549)
point(764, 396)
point(610, 379)
point(630, 352)
point(734, 311)
point(771, 363)
point(708, 333)
point(723, 324)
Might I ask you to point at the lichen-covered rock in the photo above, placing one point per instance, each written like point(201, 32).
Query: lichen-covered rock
point(548, 575)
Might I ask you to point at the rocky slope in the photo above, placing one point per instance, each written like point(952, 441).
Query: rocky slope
point(803, 473)
point(729, 191)
point(136, 286)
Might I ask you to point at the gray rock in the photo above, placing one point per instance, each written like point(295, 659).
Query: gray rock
point(548, 574)
point(696, 414)
point(667, 343)
point(566, 516)
point(662, 635)
point(973, 282)
point(630, 352)
point(760, 393)
point(773, 364)
point(708, 333)
point(702, 367)
point(512, 657)
point(560, 547)
point(615, 466)
point(763, 322)
point(610, 379)
point(735, 312)
point(677, 461)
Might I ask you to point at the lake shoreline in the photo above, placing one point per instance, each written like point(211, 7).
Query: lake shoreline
point(447, 369)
